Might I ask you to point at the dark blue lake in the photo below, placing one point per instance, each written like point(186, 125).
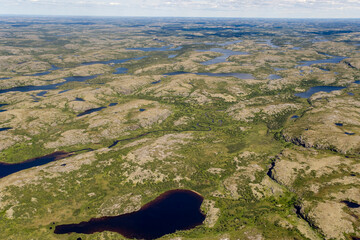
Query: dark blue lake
point(334, 59)
point(347, 133)
point(156, 82)
point(7, 168)
point(50, 86)
point(5, 129)
point(90, 111)
point(351, 204)
point(113, 104)
point(317, 89)
point(170, 212)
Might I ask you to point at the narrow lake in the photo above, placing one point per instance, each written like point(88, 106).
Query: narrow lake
point(49, 86)
point(327, 89)
point(10, 168)
point(90, 111)
point(314, 90)
point(154, 49)
point(113, 61)
point(274, 77)
point(172, 211)
point(236, 75)
point(333, 59)
point(223, 58)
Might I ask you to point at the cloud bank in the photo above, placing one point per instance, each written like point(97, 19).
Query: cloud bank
point(187, 8)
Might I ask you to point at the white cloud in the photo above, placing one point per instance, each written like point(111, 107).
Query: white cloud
point(200, 7)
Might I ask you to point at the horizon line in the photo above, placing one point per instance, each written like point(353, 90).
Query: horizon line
point(147, 16)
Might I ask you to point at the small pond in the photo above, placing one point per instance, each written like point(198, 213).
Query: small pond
point(156, 82)
point(41, 94)
point(120, 70)
point(5, 129)
point(351, 204)
point(274, 77)
point(79, 99)
point(348, 133)
point(90, 111)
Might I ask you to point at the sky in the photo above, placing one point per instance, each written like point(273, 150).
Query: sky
point(187, 8)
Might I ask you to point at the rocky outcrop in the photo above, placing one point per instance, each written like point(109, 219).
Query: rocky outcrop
point(322, 181)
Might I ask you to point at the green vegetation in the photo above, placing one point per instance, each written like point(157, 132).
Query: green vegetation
point(231, 140)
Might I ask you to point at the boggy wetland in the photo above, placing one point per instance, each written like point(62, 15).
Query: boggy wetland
point(179, 128)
